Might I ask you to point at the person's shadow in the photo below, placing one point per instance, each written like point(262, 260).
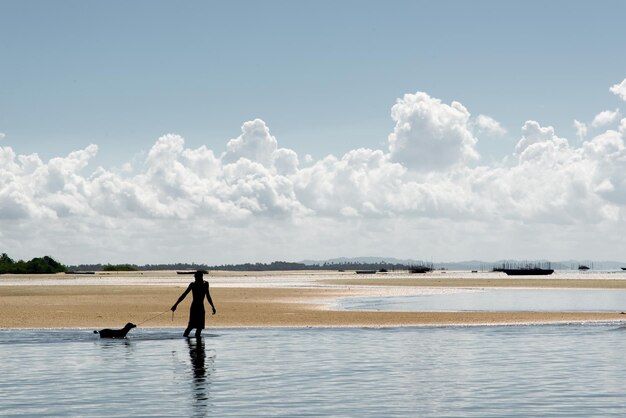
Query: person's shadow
point(201, 367)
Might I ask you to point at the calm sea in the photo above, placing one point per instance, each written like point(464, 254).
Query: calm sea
point(514, 371)
point(495, 300)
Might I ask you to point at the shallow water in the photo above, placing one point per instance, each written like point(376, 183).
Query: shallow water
point(495, 300)
point(520, 371)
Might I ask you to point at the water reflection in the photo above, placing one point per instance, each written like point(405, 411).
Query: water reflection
point(201, 367)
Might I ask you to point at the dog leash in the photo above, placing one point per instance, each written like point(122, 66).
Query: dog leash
point(155, 316)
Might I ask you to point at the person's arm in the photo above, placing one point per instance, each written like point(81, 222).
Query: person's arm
point(180, 299)
point(208, 297)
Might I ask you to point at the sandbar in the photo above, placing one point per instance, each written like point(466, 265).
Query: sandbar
point(285, 299)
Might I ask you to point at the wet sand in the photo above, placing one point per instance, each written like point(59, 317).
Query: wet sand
point(62, 303)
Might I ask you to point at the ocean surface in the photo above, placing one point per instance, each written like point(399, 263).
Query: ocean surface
point(481, 371)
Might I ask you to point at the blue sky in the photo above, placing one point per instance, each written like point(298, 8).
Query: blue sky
point(322, 76)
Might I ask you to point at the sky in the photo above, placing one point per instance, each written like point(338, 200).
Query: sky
point(245, 131)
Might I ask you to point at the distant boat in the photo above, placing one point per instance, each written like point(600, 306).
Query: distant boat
point(531, 271)
point(80, 272)
point(366, 272)
point(525, 269)
point(623, 268)
point(583, 267)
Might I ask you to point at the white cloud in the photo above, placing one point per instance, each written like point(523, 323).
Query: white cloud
point(605, 117)
point(535, 138)
point(608, 152)
point(619, 89)
point(255, 143)
point(256, 198)
point(489, 125)
point(581, 130)
point(285, 161)
point(2, 136)
point(430, 135)
point(363, 182)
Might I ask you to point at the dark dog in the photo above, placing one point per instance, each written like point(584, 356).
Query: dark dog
point(115, 333)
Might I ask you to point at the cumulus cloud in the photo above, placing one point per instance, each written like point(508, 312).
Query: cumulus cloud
point(2, 136)
point(255, 143)
point(605, 117)
point(363, 182)
point(581, 129)
point(431, 135)
point(255, 178)
point(608, 152)
point(536, 138)
point(489, 125)
point(619, 89)
point(23, 186)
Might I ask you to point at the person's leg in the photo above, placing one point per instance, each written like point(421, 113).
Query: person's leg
point(198, 332)
point(187, 331)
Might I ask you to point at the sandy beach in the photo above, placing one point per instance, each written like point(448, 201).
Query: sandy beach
point(260, 299)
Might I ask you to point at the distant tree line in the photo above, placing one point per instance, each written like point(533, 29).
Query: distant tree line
point(136, 267)
point(38, 265)
point(120, 267)
point(273, 266)
point(286, 266)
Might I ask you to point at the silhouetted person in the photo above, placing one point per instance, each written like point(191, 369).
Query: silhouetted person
point(199, 289)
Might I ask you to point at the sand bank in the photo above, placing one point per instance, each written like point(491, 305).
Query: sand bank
point(288, 300)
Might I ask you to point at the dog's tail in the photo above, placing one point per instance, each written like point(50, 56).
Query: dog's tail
point(96, 332)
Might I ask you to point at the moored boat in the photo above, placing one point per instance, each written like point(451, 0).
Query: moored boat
point(525, 269)
point(535, 271)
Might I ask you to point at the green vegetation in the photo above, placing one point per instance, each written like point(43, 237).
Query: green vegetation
point(284, 266)
point(120, 267)
point(135, 267)
point(38, 265)
point(273, 266)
